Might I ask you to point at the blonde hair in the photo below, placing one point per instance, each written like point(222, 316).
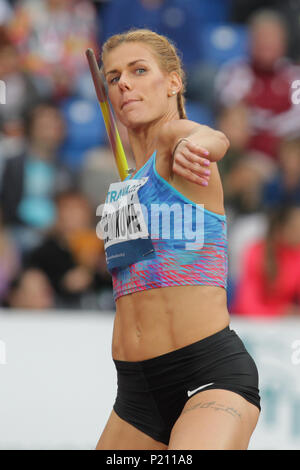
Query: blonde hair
point(165, 51)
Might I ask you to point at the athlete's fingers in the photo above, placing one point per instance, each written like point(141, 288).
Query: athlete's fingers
point(194, 148)
point(196, 158)
point(192, 157)
point(187, 161)
point(189, 175)
point(193, 152)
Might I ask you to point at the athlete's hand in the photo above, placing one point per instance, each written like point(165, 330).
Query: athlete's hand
point(189, 161)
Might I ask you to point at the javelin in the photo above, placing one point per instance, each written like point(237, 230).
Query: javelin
point(108, 117)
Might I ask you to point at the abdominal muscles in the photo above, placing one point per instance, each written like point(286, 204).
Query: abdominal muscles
point(157, 321)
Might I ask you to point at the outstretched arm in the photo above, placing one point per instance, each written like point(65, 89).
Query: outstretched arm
point(186, 148)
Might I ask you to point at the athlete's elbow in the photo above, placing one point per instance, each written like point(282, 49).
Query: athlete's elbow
point(223, 142)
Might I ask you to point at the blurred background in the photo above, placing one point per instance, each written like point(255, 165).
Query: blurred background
point(241, 58)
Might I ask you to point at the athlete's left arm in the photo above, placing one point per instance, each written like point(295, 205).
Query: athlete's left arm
point(186, 148)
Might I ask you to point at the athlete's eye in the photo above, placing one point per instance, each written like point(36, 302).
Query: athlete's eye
point(114, 80)
point(140, 71)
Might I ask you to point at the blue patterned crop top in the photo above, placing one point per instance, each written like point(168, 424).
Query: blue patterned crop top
point(155, 237)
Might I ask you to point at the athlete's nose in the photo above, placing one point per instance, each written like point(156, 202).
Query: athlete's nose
point(124, 83)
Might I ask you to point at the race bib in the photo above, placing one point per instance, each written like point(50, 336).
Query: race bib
point(122, 226)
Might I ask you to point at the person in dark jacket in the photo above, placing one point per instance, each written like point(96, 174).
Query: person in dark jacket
point(32, 178)
point(284, 186)
point(72, 256)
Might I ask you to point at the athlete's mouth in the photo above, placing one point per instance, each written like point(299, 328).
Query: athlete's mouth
point(128, 102)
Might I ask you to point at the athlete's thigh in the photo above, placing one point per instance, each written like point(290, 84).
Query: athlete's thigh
point(120, 435)
point(214, 419)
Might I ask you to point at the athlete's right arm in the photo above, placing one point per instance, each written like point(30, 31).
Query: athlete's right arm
point(186, 148)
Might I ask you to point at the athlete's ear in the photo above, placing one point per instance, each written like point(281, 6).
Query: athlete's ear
point(175, 83)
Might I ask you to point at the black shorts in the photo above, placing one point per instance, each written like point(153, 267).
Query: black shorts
point(152, 393)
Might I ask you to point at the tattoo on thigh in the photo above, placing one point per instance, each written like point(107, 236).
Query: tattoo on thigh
point(215, 406)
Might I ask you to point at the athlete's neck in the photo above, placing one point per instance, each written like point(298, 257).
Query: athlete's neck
point(143, 140)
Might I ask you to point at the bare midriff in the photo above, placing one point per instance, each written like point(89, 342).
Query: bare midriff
point(153, 322)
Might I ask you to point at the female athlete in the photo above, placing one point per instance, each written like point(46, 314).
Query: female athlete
point(185, 379)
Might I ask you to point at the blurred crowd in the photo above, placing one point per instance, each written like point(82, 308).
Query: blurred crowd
point(242, 60)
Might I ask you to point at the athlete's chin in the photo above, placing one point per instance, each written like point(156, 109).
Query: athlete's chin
point(135, 122)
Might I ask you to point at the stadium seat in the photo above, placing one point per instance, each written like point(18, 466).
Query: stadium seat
point(178, 23)
point(172, 18)
point(221, 43)
point(85, 129)
point(209, 10)
point(120, 15)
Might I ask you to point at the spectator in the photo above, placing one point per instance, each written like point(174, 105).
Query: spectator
point(243, 175)
point(20, 89)
point(284, 187)
point(234, 122)
point(72, 256)
point(98, 171)
point(52, 36)
point(242, 9)
point(30, 290)
point(9, 260)
point(243, 186)
point(31, 179)
point(263, 83)
point(270, 281)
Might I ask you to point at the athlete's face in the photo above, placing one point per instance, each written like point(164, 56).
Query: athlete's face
point(140, 92)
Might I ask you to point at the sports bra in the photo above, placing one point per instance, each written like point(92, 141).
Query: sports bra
point(156, 237)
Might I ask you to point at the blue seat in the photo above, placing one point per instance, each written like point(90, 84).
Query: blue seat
point(179, 24)
point(85, 129)
point(221, 43)
point(120, 15)
point(199, 113)
point(207, 11)
point(179, 20)
point(172, 18)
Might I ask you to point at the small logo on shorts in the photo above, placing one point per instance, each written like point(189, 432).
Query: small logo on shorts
point(191, 392)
